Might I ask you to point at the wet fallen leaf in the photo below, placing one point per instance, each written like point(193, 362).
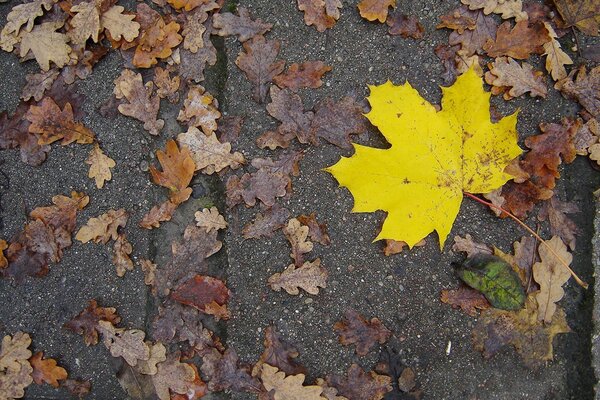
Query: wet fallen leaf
point(420, 199)
point(521, 197)
point(173, 376)
point(37, 84)
point(470, 246)
point(86, 322)
point(225, 371)
point(457, 21)
point(551, 275)
point(241, 25)
point(177, 170)
point(309, 277)
point(46, 45)
point(519, 41)
point(126, 343)
point(258, 62)
point(103, 228)
point(508, 77)
point(45, 370)
point(506, 8)
point(200, 291)
point(531, 338)
point(297, 235)
point(305, 75)
point(208, 153)
point(122, 249)
point(210, 219)
point(334, 121)
point(265, 224)
point(100, 165)
point(288, 387)
point(556, 58)
point(142, 105)
point(555, 211)
point(407, 26)
point(278, 353)
point(373, 10)
point(77, 388)
point(359, 385)
point(468, 300)
point(15, 370)
point(287, 108)
point(200, 110)
point(316, 231)
point(323, 14)
point(353, 328)
point(52, 124)
point(584, 14)
point(473, 40)
point(583, 87)
point(157, 214)
point(495, 279)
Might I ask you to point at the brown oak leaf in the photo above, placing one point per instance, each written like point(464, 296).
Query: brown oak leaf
point(77, 388)
point(297, 235)
point(287, 108)
point(473, 40)
point(195, 390)
point(457, 21)
point(46, 370)
point(173, 376)
point(36, 84)
point(193, 29)
point(506, 8)
point(104, 227)
point(200, 291)
point(52, 124)
point(192, 65)
point(262, 185)
point(305, 75)
point(267, 223)
point(157, 214)
point(283, 387)
point(156, 42)
point(556, 58)
point(316, 231)
point(373, 10)
point(122, 249)
point(583, 87)
point(208, 153)
point(334, 121)
point(521, 197)
point(555, 211)
point(309, 277)
point(407, 26)
point(519, 41)
point(584, 14)
point(508, 77)
point(167, 87)
point(210, 219)
point(278, 353)
point(229, 128)
point(355, 329)
point(126, 343)
point(177, 170)
point(397, 246)
point(178, 323)
point(46, 45)
point(225, 371)
point(15, 369)
point(469, 246)
point(468, 300)
point(200, 110)
point(258, 62)
point(142, 105)
point(14, 132)
point(241, 25)
point(359, 385)
point(323, 14)
point(100, 165)
point(86, 322)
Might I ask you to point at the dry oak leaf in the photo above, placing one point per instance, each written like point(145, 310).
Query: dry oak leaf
point(187, 5)
point(100, 165)
point(173, 376)
point(46, 370)
point(86, 322)
point(521, 197)
point(52, 124)
point(128, 344)
point(555, 211)
point(158, 354)
point(456, 21)
point(305, 75)
point(334, 121)
point(200, 291)
point(158, 214)
point(407, 26)
point(230, 128)
point(120, 25)
point(287, 108)
point(531, 338)
point(37, 84)
point(258, 62)
point(122, 249)
point(156, 42)
point(104, 227)
point(310, 276)
point(20, 15)
point(469, 246)
point(288, 387)
point(316, 231)
point(15, 369)
point(85, 23)
point(556, 58)
point(297, 235)
point(208, 153)
point(359, 385)
point(278, 353)
point(242, 25)
point(200, 110)
point(225, 371)
point(77, 388)
point(46, 45)
point(434, 157)
point(468, 300)
point(396, 247)
point(166, 87)
point(508, 77)
point(355, 329)
point(265, 224)
point(330, 393)
point(585, 88)
point(323, 14)
point(584, 14)
point(473, 40)
point(373, 10)
point(193, 30)
point(142, 105)
point(585, 139)
point(177, 170)
point(264, 185)
point(4, 246)
point(210, 219)
point(506, 8)
point(195, 390)
point(551, 275)
point(518, 42)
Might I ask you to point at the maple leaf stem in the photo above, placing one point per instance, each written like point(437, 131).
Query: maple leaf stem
point(531, 231)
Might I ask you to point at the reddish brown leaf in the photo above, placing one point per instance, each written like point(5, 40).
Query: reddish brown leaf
point(196, 389)
point(323, 14)
point(158, 214)
point(258, 62)
point(53, 124)
point(447, 54)
point(317, 233)
point(583, 87)
point(229, 128)
point(14, 132)
point(396, 247)
point(142, 105)
point(262, 185)
point(46, 370)
point(407, 26)
point(509, 77)
point(265, 224)
point(472, 41)
point(467, 299)
point(555, 211)
point(287, 108)
point(178, 168)
point(192, 65)
point(521, 197)
point(518, 42)
point(525, 256)
point(355, 329)
point(458, 21)
point(225, 371)
point(36, 84)
point(166, 87)
point(77, 388)
point(156, 41)
point(359, 385)
point(103, 228)
point(200, 291)
point(305, 75)
point(373, 10)
point(243, 26)
point(278, 353)
point(86, 322)
point(336, 121)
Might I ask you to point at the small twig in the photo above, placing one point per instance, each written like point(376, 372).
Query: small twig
point(576, 41)
point(528, 229)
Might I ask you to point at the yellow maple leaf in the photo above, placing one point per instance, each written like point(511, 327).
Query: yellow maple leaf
point(434, 157)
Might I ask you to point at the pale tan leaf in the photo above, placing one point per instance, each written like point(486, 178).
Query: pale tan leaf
point(120, 25)
point(172, 375)
point(103, 228)
point(556, 58)
point(506, 8)
point(210, 219)
point(47, 45)
point(297, 234)
point(126, 343)
point(122, 249)
point(158, 354)
point(200, 110)
point(209, 154)
point(100, 165)
point(310, 276)
point(85, 23)
point(288, 387)
point(507, 73)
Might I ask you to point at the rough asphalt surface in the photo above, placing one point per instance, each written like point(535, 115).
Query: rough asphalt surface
point(401, 290)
